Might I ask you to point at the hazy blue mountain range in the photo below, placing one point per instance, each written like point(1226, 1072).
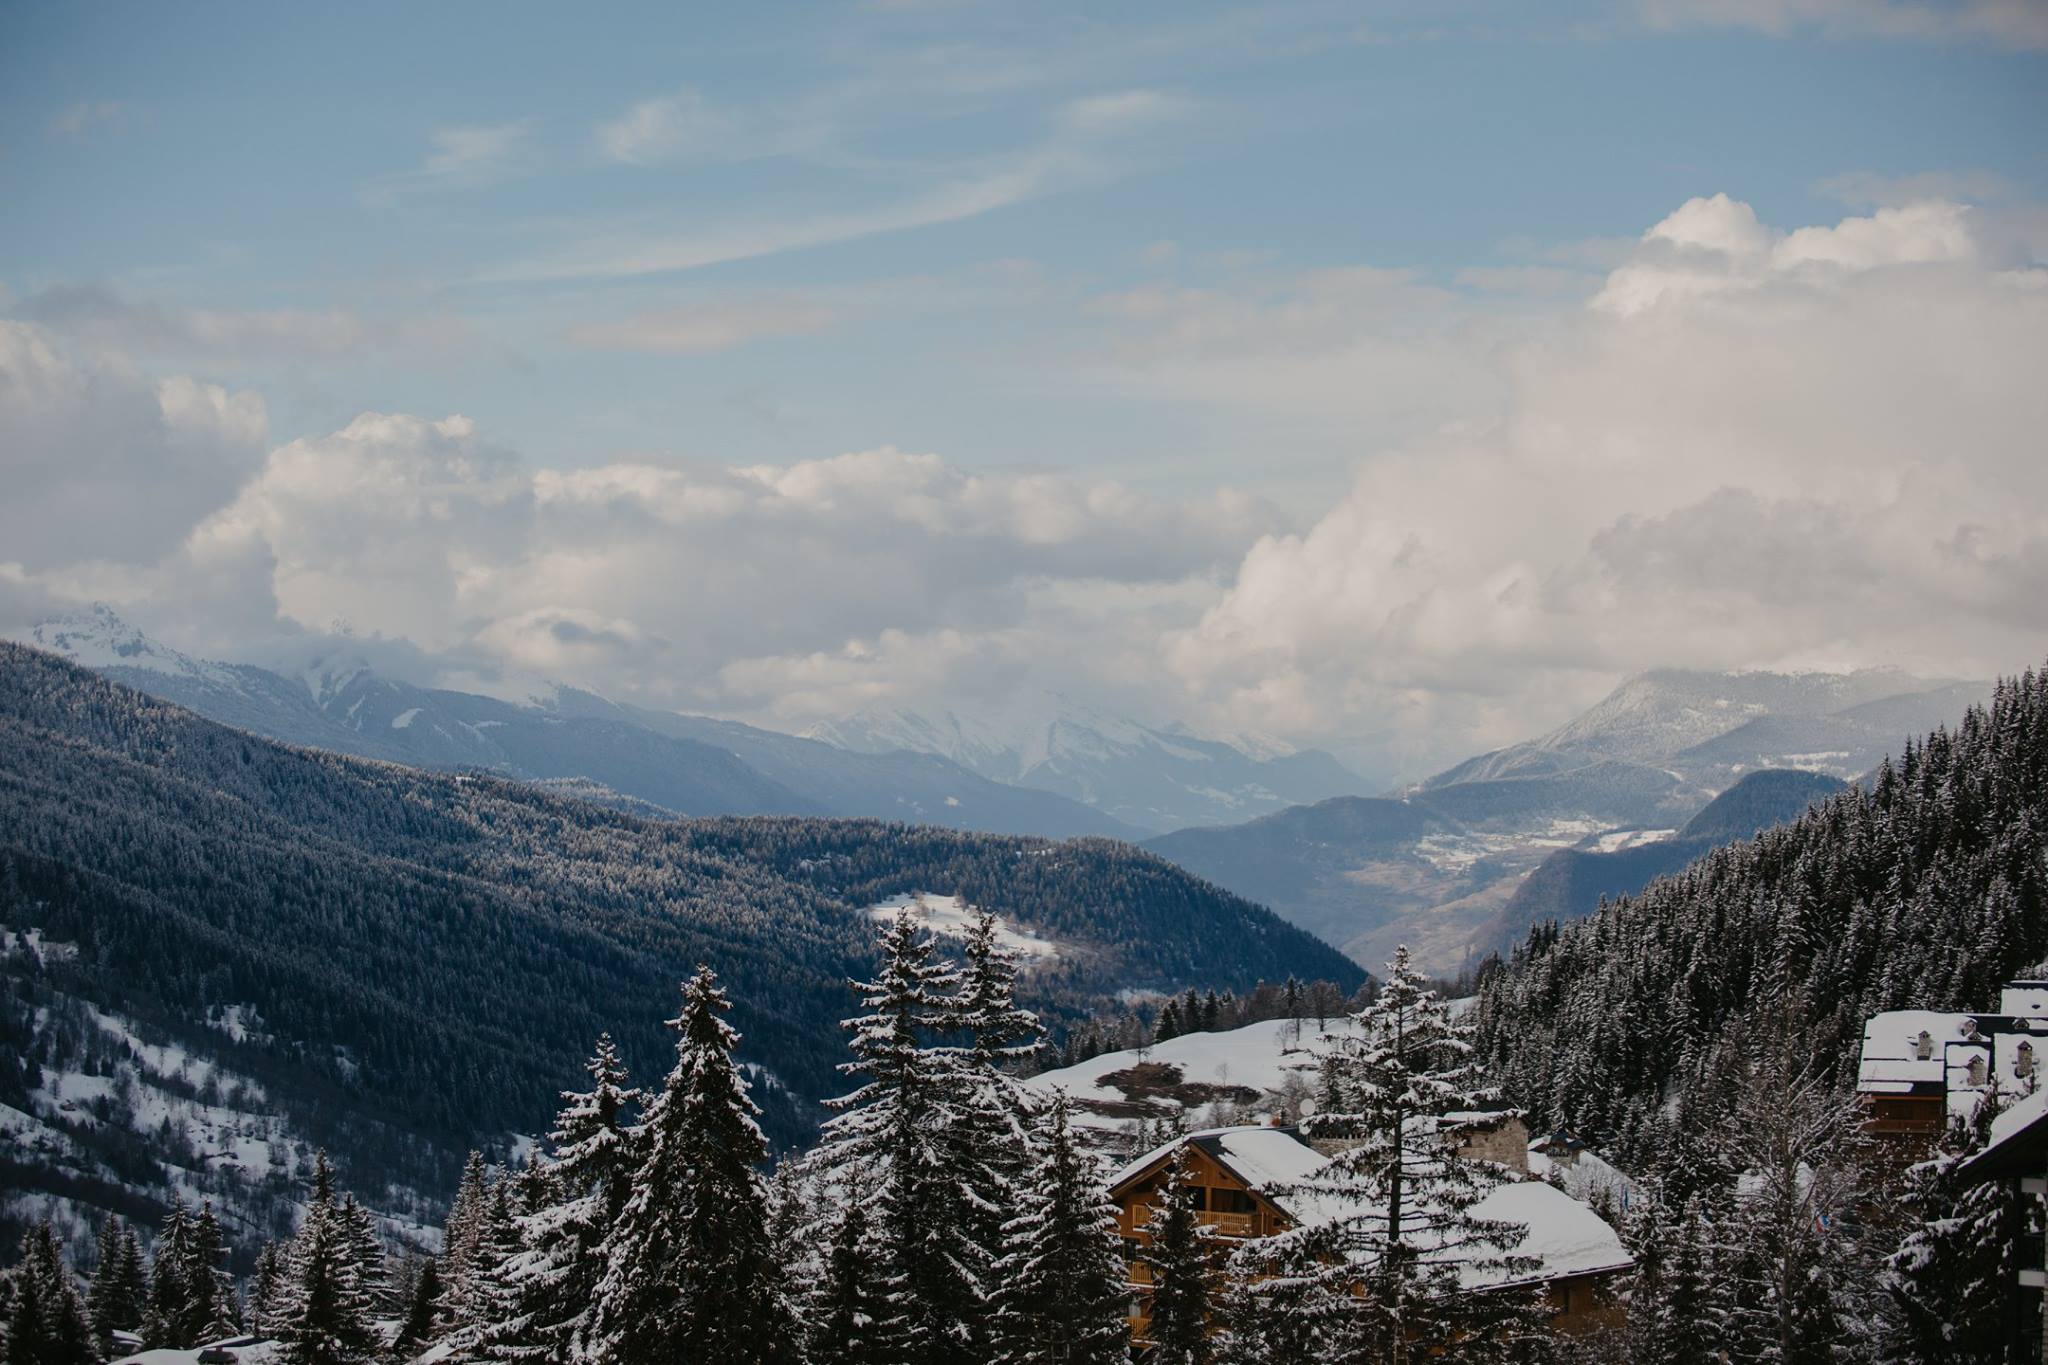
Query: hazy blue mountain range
point(690, 765)
point(1155, 778)
point(1437, 865)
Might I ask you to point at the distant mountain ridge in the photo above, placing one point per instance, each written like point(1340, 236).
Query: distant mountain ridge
point(1437, 865)
point(689, 765)
point(1155, 778)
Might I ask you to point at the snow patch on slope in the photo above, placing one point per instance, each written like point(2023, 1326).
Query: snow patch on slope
point(951, 917)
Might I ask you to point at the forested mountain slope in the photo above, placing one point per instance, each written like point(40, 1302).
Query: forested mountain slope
point(1434, 867)
point(423, 960)
point(1929, 889)
point(1569, 883)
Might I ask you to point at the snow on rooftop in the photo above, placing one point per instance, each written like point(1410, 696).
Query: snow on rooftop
point(1892, 1045)
point(1258, 1056)
point(247, 1351)
point(950, 916)
point(1563, 1234)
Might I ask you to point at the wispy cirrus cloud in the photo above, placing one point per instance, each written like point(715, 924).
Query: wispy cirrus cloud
point(1089, 143)
point(463, 156)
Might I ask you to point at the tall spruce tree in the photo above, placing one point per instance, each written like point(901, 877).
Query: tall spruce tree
point(902, 1127)
point(1795, 1253)
point(267, 1286)
point(1062, 1298)
point(1676, 1302)
point(994, 1112)
point(461, 1235)
point(47, 1322)
point(845, 1314)
point(323, 1317)
point(586, 1179)
point(1948, 1296)
point(168, 1311)
point(1180, 1258)
point(210, 1295)
point(372, 1265)
point(118, 1287)
point(496, 1327)
point(1396, 1199)
point(689, 1272)
point(421, 1325)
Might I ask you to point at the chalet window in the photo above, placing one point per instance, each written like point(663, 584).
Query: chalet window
point(1230, 1201)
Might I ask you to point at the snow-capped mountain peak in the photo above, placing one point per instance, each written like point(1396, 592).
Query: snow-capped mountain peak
point(100, 638)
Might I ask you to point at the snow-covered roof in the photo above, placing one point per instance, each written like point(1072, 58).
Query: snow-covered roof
point(1258, 1056)
point(1892, 1044)
point(247, 1351)
point(1565, 1236)
point(2017, 1137)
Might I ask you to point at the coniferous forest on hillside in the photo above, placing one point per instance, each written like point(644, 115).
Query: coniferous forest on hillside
point(1928, 889)
point(403, 960)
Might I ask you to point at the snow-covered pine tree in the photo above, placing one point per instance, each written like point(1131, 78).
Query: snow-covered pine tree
point(210, 1294)
point(368, 1248)
point(689, 1274)
point(1181, 1260)
point(1793, 1252)
point(1676, 1308)
point(421, 1325)
point(995, 1112)
point(587, 1179)
point(1061, 1295)
point(113, 1302)
point(322, 1317)
point(168, 1309)
point(844, 1314)
point(1948, 1287)
point(495, 1325)
point(1269, 1319)
point(1397, 1247)
point(459, 1237)
point(267, 1286)
point(900, 1128)
point(47, 1322)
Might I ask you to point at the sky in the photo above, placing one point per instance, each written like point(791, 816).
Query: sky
point(1388, 377)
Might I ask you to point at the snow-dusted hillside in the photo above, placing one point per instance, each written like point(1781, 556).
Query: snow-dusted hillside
point(1157, 778)
point(119, 1116)
point(1240, 1075)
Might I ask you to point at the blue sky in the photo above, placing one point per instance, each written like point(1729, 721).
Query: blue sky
point(1023, 239)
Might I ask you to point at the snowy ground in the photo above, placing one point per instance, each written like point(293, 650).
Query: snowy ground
point(215, 1130)
point(948, 915)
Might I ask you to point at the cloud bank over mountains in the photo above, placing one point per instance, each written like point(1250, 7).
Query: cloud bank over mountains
point(1738, 445)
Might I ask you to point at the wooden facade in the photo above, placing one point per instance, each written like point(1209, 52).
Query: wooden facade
point(1580, 1304)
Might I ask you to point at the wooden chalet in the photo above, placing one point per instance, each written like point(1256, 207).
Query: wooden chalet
point(1236, 1173)
point(1921, 1068)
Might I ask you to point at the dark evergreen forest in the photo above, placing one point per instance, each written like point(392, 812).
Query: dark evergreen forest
point(1924, 890)
point(430, 955)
